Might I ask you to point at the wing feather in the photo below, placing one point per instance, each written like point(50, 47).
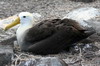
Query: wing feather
point(52, 36)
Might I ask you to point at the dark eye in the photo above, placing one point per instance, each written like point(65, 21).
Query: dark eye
point(24, 16)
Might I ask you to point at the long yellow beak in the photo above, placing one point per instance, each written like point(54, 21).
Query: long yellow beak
point(15, 22)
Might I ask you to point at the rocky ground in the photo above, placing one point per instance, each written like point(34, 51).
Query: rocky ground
point(49, 9)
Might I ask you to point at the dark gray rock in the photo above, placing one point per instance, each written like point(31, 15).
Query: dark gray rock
point(9, 41)
point(6, 53)
point(44, 61)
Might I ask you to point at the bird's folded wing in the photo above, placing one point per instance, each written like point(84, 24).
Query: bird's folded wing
point(41, 31)
point(47, 28)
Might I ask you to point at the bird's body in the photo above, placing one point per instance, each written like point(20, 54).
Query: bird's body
point(21, 32)
point(52, 36)
point(49, 36)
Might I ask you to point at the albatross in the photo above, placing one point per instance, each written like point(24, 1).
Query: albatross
point(48, 36)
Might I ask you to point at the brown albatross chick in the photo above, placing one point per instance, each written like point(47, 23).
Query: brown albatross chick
point(49, 36)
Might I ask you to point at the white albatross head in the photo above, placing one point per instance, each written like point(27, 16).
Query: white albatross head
point(24, 19)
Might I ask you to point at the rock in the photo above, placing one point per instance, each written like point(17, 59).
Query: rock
point(9, 41)
point(6, 53)
point(83, 15)
point(44, 61)
point(87, 17)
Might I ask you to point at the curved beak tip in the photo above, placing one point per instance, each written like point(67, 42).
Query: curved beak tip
point(8, 26)
point(4, 27)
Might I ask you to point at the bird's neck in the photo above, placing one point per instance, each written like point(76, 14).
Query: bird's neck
point(21, 31)
point(24, 27)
